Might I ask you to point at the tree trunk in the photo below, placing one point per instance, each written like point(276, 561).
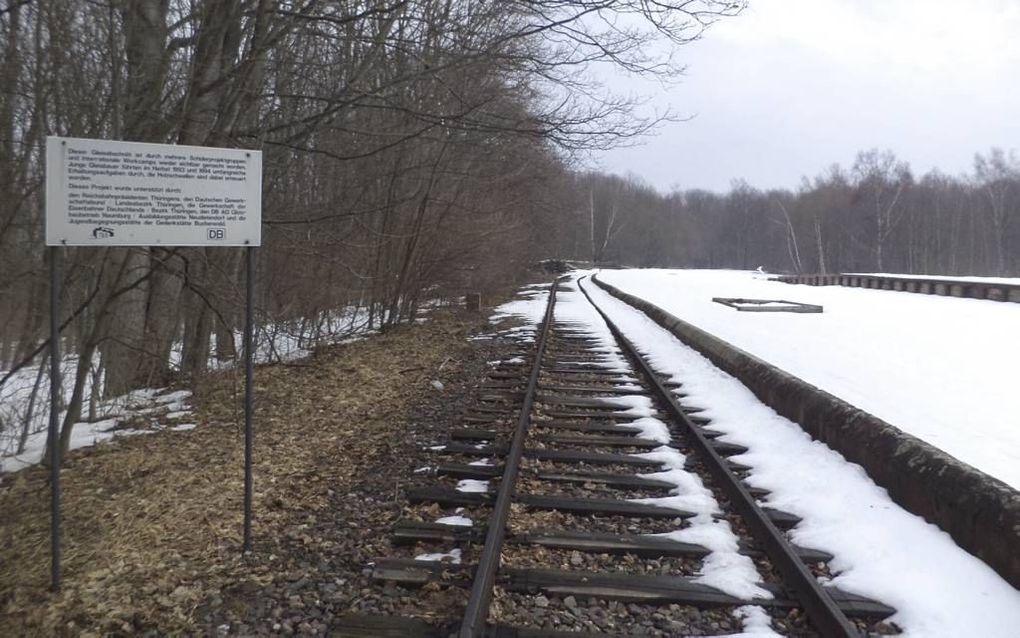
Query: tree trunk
point(73, 414)
point(124, 350)
point(195, 347)
point(162, 316)
point(30, 410)
point(821, 249)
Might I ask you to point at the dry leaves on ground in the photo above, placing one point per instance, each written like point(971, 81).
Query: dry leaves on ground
point(152, 524)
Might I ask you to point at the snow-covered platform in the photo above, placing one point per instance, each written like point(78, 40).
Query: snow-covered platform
point(881, 548)
point(943, 369)
point(991, 288)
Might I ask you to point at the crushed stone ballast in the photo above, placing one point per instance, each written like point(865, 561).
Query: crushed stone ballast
point(583, 493)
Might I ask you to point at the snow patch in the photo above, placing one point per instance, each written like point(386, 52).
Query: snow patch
point(666, 455)
point(142, 402)
point(755, 620)
point(883, 351)
point(881, 551)
point(724, 568)
point(651, 428)
point(452, 556)
point(459, 521)
point(473, 486)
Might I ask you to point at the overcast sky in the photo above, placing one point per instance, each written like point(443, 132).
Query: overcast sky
point(792, 86)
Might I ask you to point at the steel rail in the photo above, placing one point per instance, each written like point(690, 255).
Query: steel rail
point(826, 617)
point(477, 611)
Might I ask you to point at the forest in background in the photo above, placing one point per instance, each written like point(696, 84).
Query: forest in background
point(413, 150)
point(875, 216)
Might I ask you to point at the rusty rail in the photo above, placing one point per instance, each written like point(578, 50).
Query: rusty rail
point(477, 612)
point(826, 617)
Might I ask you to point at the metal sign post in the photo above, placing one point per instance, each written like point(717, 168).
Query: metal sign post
point(53, 436)
point(109, 193)
point(249, 374)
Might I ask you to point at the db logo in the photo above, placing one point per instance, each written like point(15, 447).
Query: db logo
point(216, 233)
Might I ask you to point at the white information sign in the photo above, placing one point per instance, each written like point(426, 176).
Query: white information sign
point(103, 193)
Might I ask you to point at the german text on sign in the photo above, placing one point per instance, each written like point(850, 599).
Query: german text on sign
point(101, 193)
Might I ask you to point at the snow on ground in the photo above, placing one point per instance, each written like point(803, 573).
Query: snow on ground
point(756, 621)
point(473, 486)
point(724, 568)
point(881, 550)
point(150, 403)
point(1013, 281)
point(529, 306)
point(943, 369)
point(457, 521)
point(452, 557)
point(651, 428)
point(25, 395)
point(290, 340)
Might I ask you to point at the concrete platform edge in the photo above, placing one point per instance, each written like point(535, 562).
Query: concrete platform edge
point(980, 512)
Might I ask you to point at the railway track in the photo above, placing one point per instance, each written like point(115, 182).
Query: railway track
point(552, 491)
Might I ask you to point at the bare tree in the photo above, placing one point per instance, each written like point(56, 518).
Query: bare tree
point(998, 177)
point(881, 181)
point(792, 247)
point(403, 142)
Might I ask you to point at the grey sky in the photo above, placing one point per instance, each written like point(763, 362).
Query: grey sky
point(792, 86)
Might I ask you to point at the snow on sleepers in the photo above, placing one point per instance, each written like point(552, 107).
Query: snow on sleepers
point(724, 568)
point(880, 551)
point(604, 507)
point(458, 529)
point(980, 512)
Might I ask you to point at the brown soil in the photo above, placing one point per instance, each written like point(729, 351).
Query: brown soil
point(152, 524)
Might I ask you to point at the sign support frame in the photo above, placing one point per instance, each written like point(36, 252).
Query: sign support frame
point(53, 436)
point(249, 374)
point(56, 275)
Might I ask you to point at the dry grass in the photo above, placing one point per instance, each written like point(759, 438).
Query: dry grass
point(152, 524)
